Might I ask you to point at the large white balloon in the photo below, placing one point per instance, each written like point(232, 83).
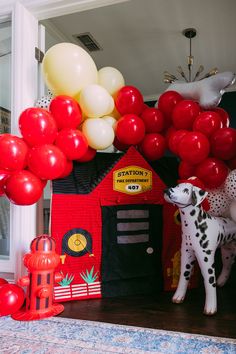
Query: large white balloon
point(67, 68)
point(99, 133)
point(95, 101)
point(110, 120)
point(111, 79)
point(219, 202)
point(207, 92)
point(230, 185)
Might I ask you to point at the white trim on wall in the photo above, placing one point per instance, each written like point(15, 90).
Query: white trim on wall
point(44, 9)
point(24, 94)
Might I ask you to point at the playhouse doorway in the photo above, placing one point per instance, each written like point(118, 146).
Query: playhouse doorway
point(131, 249)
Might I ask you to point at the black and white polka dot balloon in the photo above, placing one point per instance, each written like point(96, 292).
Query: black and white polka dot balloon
point(44, 101)
point(219, 202)
point(230, 185)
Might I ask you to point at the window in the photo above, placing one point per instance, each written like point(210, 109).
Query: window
point(5, 104)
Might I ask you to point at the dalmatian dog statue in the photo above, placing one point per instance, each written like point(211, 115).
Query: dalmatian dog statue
point(202, 234)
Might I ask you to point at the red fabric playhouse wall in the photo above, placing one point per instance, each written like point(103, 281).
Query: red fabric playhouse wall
point(110, 236)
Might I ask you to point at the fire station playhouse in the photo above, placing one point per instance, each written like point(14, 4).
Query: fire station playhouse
point(115, 233)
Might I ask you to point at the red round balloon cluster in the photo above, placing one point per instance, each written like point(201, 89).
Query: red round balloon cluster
point(139, 124)
point(50, 141)
point(202, 139)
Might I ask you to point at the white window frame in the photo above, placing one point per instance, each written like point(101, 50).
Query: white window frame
point(26, 87)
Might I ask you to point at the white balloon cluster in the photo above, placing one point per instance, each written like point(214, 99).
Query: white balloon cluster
point(69, 70)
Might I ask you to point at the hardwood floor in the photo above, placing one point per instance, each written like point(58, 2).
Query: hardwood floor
point(158, 312)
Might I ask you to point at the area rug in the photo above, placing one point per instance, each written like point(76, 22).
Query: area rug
point(66, 336)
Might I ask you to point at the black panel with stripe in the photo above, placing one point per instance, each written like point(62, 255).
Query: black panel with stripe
point(131, 250)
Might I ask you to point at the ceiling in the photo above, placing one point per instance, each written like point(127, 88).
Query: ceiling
point(143, 38)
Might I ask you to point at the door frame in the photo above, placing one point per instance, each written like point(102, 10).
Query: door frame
point(25, 89)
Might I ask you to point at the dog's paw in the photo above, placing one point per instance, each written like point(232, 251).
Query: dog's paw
point(210, 311)
point(177, 299)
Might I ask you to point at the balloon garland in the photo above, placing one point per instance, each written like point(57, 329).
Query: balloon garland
point(89, 110)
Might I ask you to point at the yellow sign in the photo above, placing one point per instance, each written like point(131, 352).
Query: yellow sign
point(132, 180)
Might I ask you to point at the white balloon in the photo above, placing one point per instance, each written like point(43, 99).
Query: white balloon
point(110, 120)
point(219, 202)
point(95, 101)
point(207, 92)
point(67, 68)
point(232, 210)
point(111, 79)
point(111, 105)
point(99, 133)
point(230, 185)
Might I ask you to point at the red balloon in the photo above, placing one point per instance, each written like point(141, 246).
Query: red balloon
point(68, 169)
point(130, 129)
point(129, 100)
point(231, 163)
point(72, 142)
point(3, 282)
point(174, 139)
point(13, 153)
point(153, 146)
point(66, 111)
point(88, 156)
point(223, 143)
point(194, 147)
point(186, 170)
point(166, 103)
point(207, 122)
point(23, 188)
point(225, 119)
point(184, 114)
point(212, 172)
point(145, 106)
point(153, 119)
point(4, 175)
point(11, 299)
point(47, 161)
point(37, 126)
point(119, 146)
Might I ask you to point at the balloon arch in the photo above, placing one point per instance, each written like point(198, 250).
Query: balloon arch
point(90, 110)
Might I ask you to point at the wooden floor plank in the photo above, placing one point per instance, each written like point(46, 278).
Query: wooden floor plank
point(158, 312)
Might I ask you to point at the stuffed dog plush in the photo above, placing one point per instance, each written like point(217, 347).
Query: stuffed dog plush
point(202, 234)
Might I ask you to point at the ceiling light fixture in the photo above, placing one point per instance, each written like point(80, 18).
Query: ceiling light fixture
point(169, 78)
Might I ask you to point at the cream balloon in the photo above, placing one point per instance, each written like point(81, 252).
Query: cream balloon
point(115, 114)
point(111, 79)
point(110, 120)
point(67, 68)
point(95, 101)
point(111, 105)
point(99, 133)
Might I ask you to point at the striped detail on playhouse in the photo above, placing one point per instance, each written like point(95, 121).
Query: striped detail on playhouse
point(77, 291)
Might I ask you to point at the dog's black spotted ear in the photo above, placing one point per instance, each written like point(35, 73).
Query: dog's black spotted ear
point(198, 195)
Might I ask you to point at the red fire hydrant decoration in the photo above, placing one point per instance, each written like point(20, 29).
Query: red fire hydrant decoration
point(41, 263)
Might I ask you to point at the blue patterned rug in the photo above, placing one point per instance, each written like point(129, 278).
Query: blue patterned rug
point(66, 336)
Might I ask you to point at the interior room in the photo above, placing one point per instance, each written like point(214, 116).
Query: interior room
point(130, 272)
point(143, 40)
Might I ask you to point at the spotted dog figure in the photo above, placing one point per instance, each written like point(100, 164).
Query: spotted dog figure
point(202, 234)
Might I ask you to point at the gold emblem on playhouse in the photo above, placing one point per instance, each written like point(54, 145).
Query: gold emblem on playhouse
point(132, 180)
